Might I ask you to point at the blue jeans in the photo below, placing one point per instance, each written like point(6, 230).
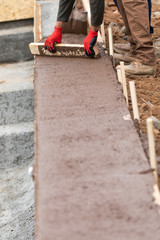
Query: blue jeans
point(150, 11)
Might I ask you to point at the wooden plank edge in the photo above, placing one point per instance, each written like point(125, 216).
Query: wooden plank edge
point(62, 50)
point(86, 6)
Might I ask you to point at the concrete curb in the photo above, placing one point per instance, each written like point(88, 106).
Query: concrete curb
point(16, 93)
point(14, 44)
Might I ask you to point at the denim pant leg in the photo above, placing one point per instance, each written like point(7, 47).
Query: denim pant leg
point(97, 12)
point(115, 1)
point(150, 12)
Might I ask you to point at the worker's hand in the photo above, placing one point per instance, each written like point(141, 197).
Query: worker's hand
point(54, 38)
point(89, 43)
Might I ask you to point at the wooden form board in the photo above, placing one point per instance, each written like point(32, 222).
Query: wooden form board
point(62, 50)
point(16, 10)
point(37, 23)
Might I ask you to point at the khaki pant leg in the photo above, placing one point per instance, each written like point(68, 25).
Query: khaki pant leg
point(125, 20)
point(137, 15)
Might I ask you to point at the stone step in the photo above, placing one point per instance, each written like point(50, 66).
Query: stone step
point(16, 144)
point(16, 93)
point(14, 44)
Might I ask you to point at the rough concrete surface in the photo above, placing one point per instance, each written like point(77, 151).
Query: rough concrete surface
point(88, 157)
point(16, 144)
point(16, 93)
point(16, 151)
point(16, 203)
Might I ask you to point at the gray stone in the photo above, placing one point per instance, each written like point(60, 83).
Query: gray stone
point(156, 122)
point(16, 144)
point(123, 30)
point(156, 14)
point(14, 44)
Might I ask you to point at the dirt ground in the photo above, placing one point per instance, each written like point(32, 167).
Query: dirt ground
point(148, 87)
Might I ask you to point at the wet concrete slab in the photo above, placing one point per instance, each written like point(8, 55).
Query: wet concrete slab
point(88, 158)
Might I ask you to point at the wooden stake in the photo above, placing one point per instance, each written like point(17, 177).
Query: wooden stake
point(134, 100)
point(37, 22)
point(103, 33)
point(152, 153)
point(110, 35)
point(86, 6)
point(124, 83)
point(119, 74)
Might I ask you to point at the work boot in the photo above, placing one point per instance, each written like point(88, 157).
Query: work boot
point(122, 47)
point(126, 57)
point(137, 68)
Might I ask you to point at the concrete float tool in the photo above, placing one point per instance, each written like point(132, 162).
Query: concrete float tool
point(77, 24)
point(62, 50)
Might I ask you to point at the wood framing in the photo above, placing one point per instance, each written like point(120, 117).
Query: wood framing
point(37, 19)
point(152, 151)
point(62, 50)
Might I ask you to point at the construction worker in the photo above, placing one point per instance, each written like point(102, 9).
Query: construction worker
point(150, 12)
point(141, 57)
point(65, 9)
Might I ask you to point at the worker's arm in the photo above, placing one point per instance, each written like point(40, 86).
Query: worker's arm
point(56, 37)
point(90, 41)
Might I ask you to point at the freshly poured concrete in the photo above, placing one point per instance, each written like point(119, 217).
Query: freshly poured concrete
point(88, 157)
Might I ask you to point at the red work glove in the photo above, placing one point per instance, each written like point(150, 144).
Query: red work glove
point(54, 38)
point(89, 43)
